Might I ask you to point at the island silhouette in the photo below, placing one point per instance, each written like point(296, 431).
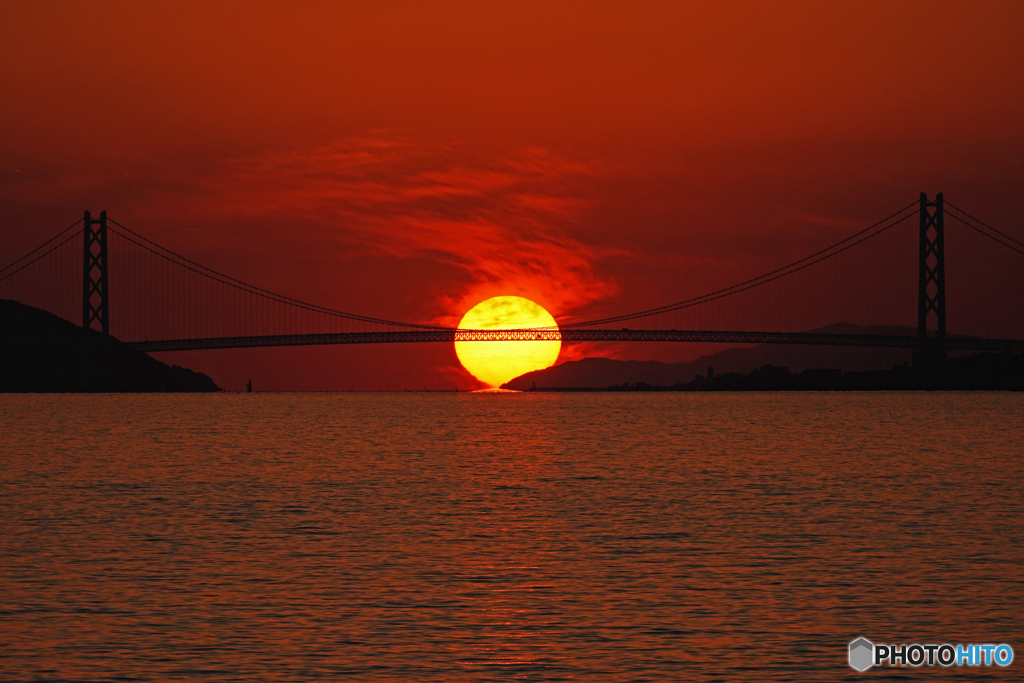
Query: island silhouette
point(40, 352)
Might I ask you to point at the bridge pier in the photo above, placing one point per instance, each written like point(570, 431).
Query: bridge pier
point(95, 299)
point(930, 353)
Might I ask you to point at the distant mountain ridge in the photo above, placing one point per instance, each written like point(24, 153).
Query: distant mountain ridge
point(600, 373)
point(40, 352)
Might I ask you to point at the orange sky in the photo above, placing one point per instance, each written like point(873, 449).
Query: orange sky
point(405, 160)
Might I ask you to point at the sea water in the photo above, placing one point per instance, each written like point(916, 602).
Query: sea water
point(534, 536)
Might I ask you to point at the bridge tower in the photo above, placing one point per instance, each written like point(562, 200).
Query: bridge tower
point(931, 288)
point(95, 301)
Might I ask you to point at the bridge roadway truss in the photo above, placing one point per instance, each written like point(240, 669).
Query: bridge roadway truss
point(575, 335)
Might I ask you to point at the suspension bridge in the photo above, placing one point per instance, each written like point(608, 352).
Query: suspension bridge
point(882, 286)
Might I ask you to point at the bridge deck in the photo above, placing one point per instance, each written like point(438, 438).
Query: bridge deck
point(574, 335)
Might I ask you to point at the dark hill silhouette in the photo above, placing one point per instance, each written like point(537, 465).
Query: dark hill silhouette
point(600, 373)
point(40, 352)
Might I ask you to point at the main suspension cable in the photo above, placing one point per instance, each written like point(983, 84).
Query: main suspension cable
point(976, 220)
point(212, 274)
point(765, 278)
point(57, 236)
point(982, 232)
point(41, 256)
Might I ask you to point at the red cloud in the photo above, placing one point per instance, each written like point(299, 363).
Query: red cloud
point(504, 221)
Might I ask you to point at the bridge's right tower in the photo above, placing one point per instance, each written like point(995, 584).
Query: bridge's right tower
point(931, 288)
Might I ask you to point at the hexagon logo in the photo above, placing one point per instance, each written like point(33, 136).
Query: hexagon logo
point(862, 654)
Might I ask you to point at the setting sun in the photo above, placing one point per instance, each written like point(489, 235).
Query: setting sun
point(497, 362)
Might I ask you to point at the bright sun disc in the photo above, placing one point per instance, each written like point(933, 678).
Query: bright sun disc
point(497, 362)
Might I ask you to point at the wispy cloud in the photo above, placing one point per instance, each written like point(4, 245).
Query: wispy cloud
point(503, 220)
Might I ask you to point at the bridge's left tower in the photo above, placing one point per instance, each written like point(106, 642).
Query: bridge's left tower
point(95, 292)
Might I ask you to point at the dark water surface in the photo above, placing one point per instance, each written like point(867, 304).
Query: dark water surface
point(463, 537)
